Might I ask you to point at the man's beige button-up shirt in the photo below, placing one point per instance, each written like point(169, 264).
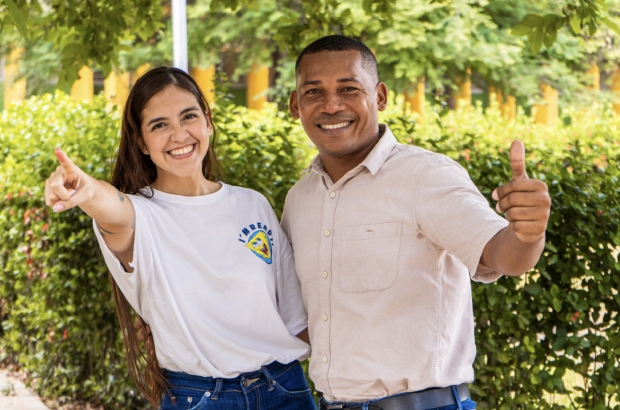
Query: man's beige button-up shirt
point(384, 257)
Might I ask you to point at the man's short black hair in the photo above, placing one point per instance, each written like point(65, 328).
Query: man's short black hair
point(339, 42)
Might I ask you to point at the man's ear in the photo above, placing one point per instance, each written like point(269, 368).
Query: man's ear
point(381, 96)
point(293, 105)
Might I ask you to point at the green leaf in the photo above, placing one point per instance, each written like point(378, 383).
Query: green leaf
point(17, 17)
point(550, 37)
point(551, 247)
point(521, 30)
point(533, 289)
point(536, 40)
point(550, 19)
point(575, 23)
point(532, 20)
point(215, 4)
point(609, 22)
point(592, 26)
point(367, 6)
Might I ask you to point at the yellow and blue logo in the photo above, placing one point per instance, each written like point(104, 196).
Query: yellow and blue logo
point(257, 238)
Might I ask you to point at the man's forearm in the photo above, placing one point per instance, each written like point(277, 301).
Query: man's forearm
point(507, 254)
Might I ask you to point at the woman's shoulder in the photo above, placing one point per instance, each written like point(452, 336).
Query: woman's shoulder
point(248, 193)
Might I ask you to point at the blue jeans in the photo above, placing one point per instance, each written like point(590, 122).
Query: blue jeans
point(273, 387)
point(368, 405)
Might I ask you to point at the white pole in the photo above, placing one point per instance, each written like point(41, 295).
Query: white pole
point(179, 34)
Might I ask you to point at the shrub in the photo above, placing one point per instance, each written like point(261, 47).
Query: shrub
point(58, 320)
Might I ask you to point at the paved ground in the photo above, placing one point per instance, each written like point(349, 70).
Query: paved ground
point(15, 396)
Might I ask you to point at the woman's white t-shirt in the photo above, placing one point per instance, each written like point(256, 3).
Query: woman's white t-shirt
point(214, 277)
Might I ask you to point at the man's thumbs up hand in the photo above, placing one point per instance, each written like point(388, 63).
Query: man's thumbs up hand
point(525, 201)
point(517, 160)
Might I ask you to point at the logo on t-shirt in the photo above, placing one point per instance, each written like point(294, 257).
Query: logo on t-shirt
point(257, 238)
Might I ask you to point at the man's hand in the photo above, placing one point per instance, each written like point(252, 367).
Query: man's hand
point(516, 249)
point(525, 201)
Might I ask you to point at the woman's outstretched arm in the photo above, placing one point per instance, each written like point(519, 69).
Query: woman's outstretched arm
point(112, 211)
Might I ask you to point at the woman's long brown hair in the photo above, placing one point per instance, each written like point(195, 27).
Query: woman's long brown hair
point(134, 171)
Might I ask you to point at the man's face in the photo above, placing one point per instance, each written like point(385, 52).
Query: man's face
point(338, 101)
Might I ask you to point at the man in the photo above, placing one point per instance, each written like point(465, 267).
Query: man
point(386, 238)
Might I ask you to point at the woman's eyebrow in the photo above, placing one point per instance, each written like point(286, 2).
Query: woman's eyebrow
point(165, 118)
point(156, 120)
point(188, 110)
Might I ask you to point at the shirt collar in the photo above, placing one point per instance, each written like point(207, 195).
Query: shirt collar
point(375, 159)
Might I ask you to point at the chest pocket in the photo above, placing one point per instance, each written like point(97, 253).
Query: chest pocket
point(369, 257)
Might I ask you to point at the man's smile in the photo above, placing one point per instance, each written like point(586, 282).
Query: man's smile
point(335, 126)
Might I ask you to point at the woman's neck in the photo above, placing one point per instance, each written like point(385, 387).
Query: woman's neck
point(186, 186)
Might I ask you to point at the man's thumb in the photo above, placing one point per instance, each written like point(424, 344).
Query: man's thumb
point(517, 160)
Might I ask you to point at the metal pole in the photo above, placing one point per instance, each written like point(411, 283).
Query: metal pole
point(179, 34)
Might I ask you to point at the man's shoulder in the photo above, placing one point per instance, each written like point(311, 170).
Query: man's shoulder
point(307, 180)
point(417, 158)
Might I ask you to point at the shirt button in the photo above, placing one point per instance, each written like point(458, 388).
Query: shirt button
point(324, 275)
point(332, 195)
point(326, 233)
point(325, 318)
point(324, 359)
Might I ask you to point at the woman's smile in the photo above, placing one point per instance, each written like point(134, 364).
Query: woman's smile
point(183, 152)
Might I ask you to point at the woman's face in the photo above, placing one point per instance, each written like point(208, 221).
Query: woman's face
point(175, 134)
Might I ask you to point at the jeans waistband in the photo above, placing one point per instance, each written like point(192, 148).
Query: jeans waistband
point(190, 381)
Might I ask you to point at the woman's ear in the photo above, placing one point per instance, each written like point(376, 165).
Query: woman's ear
point(209, 122)
point(142, 147)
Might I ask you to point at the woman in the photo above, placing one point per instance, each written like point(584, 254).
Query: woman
point(205, 264)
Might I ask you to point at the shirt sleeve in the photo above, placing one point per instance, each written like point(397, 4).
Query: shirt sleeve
point(452, 213)
point(130, 283)
point(284, 222)
point(288, 287)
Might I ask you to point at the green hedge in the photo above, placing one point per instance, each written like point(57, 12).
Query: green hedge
point(534, 333)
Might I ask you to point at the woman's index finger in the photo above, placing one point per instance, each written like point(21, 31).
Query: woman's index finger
point(64, 160)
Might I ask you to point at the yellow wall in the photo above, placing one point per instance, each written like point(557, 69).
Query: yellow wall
point(116, 88)
point(463, 95)
point(507, 103)
point(140, 71)
point(415, 101)
point(14, 90)
point(204, 77)
point(595, 78)
point(548, 112)
point(257, 83)
point(615, 86)
point(84, 87)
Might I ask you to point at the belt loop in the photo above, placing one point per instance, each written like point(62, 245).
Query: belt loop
point(218, 388)
point(270, 381)
point(455, 393)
